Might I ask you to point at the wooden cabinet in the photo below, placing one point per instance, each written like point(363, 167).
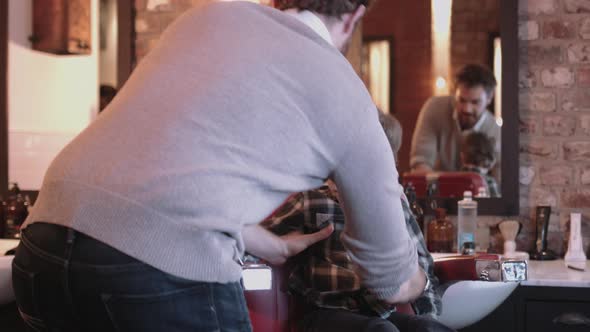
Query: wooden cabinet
point(61, 26)
point(554, 309)
point(540, 309)
point(552, 316)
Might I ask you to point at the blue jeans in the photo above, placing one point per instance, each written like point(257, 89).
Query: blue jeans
point(339, 320)
point(66, 281)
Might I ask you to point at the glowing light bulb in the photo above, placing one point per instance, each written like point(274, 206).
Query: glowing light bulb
point(441, 83)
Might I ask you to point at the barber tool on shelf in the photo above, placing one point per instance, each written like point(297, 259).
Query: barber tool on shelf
point(509, 230)
point(501, 270)
point(542, 219)
point(575, 258)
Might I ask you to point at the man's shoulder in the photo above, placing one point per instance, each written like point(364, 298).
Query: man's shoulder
point(437, 111)
point(439, 103)
point(490, 127)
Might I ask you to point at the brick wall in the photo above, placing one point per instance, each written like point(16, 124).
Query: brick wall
point(554, 101)
point(474, 24)
point(554, 106)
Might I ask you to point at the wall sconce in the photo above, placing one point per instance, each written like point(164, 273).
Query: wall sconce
point(377, 71)
point(441, 40)
point(498, 74)
point(61, 26)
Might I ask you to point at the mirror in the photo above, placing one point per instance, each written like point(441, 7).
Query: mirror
point(476, 26)
point(34, 136)
point(408, 31)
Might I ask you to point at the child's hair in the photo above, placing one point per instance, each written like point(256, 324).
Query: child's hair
point(478, 150)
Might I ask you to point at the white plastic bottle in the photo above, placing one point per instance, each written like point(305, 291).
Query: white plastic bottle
point(466, 220)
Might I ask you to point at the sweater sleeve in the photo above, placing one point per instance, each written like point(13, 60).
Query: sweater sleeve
point(424, 141)
point(375, 233)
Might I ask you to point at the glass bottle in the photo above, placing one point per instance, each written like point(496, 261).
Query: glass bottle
point(466, 220)
point(16, 210)
point(441, 233)
point(415, 207)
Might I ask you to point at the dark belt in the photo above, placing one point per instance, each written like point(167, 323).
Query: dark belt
point(63, 241)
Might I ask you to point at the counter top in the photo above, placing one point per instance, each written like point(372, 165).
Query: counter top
point(547, 273)
point(555, 274)
point(7, 244)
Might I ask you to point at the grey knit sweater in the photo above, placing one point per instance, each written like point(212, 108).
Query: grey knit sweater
point(237, 107)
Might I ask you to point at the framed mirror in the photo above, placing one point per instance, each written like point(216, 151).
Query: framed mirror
point(482, 31)
point(401, 72)
point(39, 127)
point(377, 71)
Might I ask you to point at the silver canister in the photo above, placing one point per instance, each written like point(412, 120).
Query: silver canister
point(501, 270)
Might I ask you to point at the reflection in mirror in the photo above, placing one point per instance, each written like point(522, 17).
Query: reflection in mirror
point(107, 65)
point(481, 31)
point(51, 98)
point(376, 71)
point(33, 130)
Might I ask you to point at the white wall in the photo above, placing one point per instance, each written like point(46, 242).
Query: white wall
point(51, 98)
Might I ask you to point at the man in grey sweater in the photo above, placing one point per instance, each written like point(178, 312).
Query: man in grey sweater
point(142, 218)
point(445, 120)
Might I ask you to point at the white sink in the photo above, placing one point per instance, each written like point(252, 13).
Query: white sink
point(7, 244)
point(6, 293)
point(466, 302)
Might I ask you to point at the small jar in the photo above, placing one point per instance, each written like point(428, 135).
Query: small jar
point(468, 248)
point(441, 233)
point(15, 211)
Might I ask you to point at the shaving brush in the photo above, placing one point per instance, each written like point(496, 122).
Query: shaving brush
point(509, 230)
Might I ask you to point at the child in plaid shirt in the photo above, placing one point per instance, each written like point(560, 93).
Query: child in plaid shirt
point(324, 276)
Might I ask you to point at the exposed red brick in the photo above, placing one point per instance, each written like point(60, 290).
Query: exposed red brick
point(537, 7)
point(559, 29)
point(583, 75)
point(576, 100)
point(577, 151)
point(528, 125)
point(539, 149)
point(556, 175)
point(559, 126)
point(578, 198)
point(540, 54)
point(577, 6)
point(584, 121)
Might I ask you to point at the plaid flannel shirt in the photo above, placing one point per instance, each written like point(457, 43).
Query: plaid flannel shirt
point(323, 274)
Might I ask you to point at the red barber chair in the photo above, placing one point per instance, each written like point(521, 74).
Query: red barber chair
point(449, 184)
point(270, 309)
point(275, 310)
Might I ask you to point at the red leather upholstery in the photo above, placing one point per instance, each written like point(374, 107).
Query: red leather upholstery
point(459, 267)
point(453, 184)
point(418, 180)
point(275, 310)
point(449, 184)
point(269, 309)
